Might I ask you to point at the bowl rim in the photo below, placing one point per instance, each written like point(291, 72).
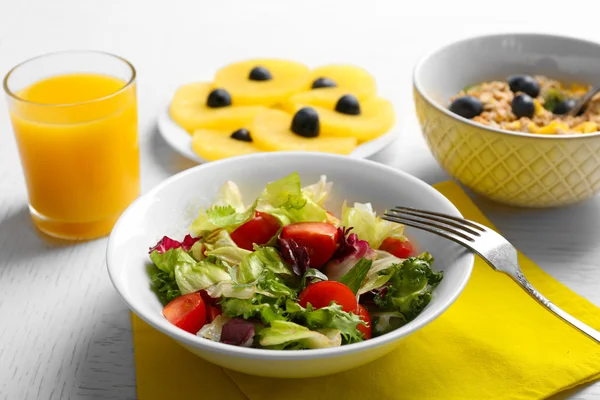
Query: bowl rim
point(266, 354)
point(417, 84)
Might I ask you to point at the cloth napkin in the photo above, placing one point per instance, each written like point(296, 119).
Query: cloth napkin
point(494, 342)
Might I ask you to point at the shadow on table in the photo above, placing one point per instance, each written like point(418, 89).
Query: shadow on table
point(163, 155)
point(103, 362)
point(21, 241)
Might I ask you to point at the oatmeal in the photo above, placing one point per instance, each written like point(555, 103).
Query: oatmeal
point(528, 104)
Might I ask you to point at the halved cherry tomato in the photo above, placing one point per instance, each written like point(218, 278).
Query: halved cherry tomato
point(259, 230)
point(397, 247)
point(320, 238)
point(362, 312)
point(213, 312)
point(321, 294)
point(187, 312)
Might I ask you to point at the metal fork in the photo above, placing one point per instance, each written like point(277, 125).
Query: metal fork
point(488, 244)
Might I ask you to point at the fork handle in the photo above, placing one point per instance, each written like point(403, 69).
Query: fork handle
point(528, 287)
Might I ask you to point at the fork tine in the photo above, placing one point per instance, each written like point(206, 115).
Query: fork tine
point(463, 225)
point(433, 225)
point(463, 221)
point(449, 234)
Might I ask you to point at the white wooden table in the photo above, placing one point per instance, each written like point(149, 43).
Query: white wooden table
point(64, 332)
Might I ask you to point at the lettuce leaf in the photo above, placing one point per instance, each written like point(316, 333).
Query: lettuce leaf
point(288, 335)
point(368, 226)
point(380, 271)
point(170, 259)
point(285, 200)
point(228, 211)
point(410, 286)
point(259, 307)
point(225, 249)
point(318, 192)
point(213, 330)
point(349, 252)
point(332, 317)
point(356, 276)
point(164, 285)
point(253, 264)
point(191, 277)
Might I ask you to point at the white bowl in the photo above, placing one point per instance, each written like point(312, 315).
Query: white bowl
point(171, 206)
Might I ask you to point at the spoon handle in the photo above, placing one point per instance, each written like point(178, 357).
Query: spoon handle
point(582, 101)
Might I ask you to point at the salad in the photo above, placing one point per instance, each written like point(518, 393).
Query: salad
point(284, 273)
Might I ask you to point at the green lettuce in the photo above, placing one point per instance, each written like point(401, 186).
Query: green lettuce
point(225, 249)
point(410, 286)
point(356, 275)
point(384, 322)
point(368, 226)
point(288, 335)
point(228, 211)
point(285, 200)
point(198, 276)
point(318, 192)
point(259, 307)
point(164, 285)
point(332, 317)
point(170, 259)
point(381, 271)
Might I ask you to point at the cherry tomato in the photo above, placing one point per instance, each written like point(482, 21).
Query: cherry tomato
point(362, 312)
point(397, 247)
point(187, 312)
point(321, 294)
point(259, 230)
point(320, 238)
point(213, 312)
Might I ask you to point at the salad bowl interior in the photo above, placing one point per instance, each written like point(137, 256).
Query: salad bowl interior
point(169, 208)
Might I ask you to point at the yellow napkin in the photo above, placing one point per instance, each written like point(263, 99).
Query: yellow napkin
point(495, 342)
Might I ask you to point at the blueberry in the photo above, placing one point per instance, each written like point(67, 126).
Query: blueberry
point(523, 106)
point(259, 73)
point(467, 107)
point(564, 106)
point(242, 134)
point(218, 98)
point(525, 84)
point(323, 83)
point(348, 104)
point(306, 123)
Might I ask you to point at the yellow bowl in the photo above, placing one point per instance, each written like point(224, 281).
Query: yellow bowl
point(521, 169)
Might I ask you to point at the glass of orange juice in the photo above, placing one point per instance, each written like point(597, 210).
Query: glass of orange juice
point(74, 115)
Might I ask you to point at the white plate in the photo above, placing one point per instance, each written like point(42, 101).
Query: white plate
point(181, 141)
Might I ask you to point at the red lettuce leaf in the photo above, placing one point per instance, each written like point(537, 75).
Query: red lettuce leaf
point(350, 250)
point(166, 243)
point(295, 255)
point(238, 332)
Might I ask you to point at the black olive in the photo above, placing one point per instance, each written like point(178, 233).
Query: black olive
point(348, 104)
point(467, 106)
point(564, 106)
point(218, 98)
point(323, 83)
point(259, 73)
point(306, 122)
point(242, 134)
point(523, 106)
point(525, 84)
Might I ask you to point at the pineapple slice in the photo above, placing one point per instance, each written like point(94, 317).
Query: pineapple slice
point(189, 110)
point(376, 117)
point(271, 131)
point(348, 78)
point(214, 145)
point(280, 80)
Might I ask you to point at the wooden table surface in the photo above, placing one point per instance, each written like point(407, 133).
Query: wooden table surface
point(64, 332)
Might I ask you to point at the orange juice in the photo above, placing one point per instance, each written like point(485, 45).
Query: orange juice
point(77, 137)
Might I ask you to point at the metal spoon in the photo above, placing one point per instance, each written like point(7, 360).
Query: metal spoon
point(583, 101)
